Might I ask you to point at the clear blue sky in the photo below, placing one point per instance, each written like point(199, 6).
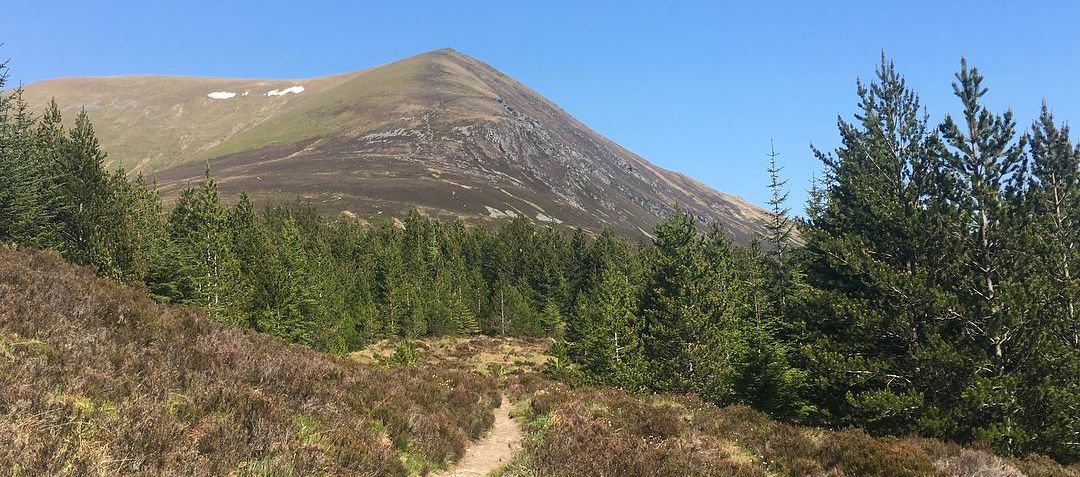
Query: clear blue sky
point(698, 87)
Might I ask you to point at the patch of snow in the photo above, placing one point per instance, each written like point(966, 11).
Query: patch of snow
point(283, 92)
point(494, 213)
point(544, 218)
point(245, 93)
point(511, 213)
point(221, 95)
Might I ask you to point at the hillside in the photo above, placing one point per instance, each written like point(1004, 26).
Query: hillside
point(440, 131)
point(96, 379)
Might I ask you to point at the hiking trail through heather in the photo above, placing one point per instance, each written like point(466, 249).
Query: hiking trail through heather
point(493, 450)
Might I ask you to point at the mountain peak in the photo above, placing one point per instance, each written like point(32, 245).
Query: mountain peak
point(439, 131)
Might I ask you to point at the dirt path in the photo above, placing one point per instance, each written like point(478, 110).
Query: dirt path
point(493, 450)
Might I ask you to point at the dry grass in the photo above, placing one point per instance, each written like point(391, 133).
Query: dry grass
point(482, 354)
point(96, 379)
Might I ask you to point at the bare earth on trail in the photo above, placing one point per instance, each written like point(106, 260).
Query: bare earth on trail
point(492, 451)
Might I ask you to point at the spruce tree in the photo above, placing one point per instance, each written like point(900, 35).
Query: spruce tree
point(605, 333)
point(25, 198)
point(290, 308)
point(83, 191)
point(684, 338)
point(779, 227)
point(208, 273)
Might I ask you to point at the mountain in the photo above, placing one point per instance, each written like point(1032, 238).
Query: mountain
point(439, 131)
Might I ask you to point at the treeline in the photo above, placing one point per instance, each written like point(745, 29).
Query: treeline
point(932, 289)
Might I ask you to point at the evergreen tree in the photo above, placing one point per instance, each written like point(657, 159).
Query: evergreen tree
point(133, 228)
point(1055, 191)
point(26, 209)
point(289, 306)
point(605, 334)
point(779, 226)
point(684, 338)
point(985, 162)
point(984, 155)
point(207, 272)
point(874, 239)
point(83, 191)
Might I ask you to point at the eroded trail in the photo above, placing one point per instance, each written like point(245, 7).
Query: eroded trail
point(493, 450)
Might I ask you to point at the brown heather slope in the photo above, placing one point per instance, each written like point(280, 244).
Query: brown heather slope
point(440, 131)
point(603, 432)
point(98, 380)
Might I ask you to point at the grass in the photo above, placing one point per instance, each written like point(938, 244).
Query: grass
point(96, 379)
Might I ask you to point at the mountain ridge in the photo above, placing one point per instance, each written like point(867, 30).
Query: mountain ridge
point(440, 131)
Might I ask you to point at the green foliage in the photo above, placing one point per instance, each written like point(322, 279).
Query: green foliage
point(405, 353)
point(605, 334)
point(941, 266)
point(935, 293)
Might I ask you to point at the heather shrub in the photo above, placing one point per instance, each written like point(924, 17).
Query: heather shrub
point(1042, 466)
point(971, 463)
point(855, 452)
point(96, 379)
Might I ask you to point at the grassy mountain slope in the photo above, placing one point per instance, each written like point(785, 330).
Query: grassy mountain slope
point(96, 379)
point(439, 131)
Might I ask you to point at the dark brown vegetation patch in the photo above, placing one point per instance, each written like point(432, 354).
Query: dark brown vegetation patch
point(96, 379)
point(603, 432)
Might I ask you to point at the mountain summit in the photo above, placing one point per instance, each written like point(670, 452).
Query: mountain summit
point(441, 131)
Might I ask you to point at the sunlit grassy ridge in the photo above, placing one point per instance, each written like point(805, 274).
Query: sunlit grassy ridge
point(151, 123)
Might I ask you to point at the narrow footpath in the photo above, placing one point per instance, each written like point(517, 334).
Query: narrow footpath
point(493, 450)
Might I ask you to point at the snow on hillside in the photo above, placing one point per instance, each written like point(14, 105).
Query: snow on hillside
point(283, 92)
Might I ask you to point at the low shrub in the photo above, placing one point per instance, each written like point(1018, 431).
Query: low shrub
point(96, 379)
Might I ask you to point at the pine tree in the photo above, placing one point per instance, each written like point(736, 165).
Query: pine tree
point(984, 155)
point(685, 340)
point(605, 334)
point(878, 225)
point(83, 191)
point(1055, 191)
point(1048, 392)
